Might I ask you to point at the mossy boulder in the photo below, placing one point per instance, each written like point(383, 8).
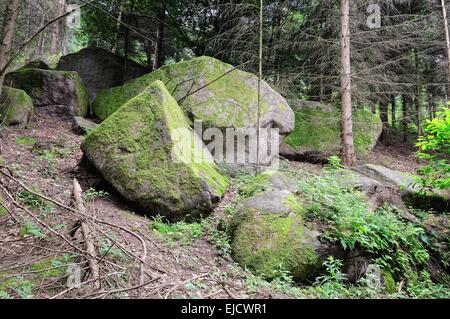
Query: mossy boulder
point(317, 130)
point(16, 107)
point(49, 87)
point(148, 152)
point(411, 193)
point(211, 91)
point(82, 125)
point(269, 236)
point(100, 69)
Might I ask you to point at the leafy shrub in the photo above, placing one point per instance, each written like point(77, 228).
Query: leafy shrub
point(435, 147)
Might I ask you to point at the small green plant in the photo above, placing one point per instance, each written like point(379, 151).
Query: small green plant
point(25, 140)
point(334, 162)
point(31, 229)
point(180, 231)
point(47, 159)
point(33, 201)
point(333, 272)
point(421, 286)
point(91, 194)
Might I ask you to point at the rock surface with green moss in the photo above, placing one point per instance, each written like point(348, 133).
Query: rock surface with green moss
point(148, 152)
point(269, 236)
point(411, 193)
point(317, 130)
point(16, 107)
point(49, 87)
point(207, 92)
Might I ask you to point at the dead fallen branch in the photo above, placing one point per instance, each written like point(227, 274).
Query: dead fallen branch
point(87, 232)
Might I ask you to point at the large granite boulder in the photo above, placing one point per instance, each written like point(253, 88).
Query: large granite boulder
point(49, 87)
point(148, 152)
point(411, 193)
point(317, 131)
point(100, 69)
point(213, 92)
point(269, 235)
point(16, 107)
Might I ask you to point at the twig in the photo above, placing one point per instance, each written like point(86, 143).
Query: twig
point(77, 193)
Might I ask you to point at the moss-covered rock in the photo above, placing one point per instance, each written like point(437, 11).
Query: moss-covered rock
point(411, 193)
point(16, 107)
point(229, 100)
point(49, 87)
point(82, 125)
point(269, 236)
point(100, 69)
point(317, 129)
point(145, 150)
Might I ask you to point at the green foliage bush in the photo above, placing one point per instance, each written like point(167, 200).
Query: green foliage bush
point(435, 147)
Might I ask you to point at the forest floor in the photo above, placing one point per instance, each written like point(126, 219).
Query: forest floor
point(178, 263)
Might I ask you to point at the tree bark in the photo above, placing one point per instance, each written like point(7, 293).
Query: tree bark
point(157, 61)
point(405, 118)
point(393, 111)
point(9, 24)
point(384, 120)
point(119, 23)
point(447, 41)
point(347, 147)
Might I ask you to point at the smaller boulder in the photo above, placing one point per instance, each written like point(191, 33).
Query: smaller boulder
point(268, 235)
point(411, 193)
point(49, 87)
point(317, 132)
point(82, 125)
point(16, 107)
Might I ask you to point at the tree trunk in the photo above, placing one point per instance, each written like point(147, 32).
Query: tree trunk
point(26, 50)
point(9, 24)
point(157, 61)
point(417, 95)
point(260, 75)
point(393, 111)
point(384, 120)
point(347, 147)
point(56, 29)
point(119, 23)
point(405, 118)
point(447, 41)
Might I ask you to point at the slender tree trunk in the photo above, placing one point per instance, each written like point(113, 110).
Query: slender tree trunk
point(384, 120)
point(431, 106)
point(347, 147)
point(56, 30)
point(417, 95)
point(157, 61)
point(447, 41)
point(393, 111)
point(26, 50)
point(405, 118)
point(9, 24)
point(260, 75)
point(119, 23)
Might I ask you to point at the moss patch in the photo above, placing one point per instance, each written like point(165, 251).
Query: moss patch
point(319, 130)
point(16, 107)
point(268, 243)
